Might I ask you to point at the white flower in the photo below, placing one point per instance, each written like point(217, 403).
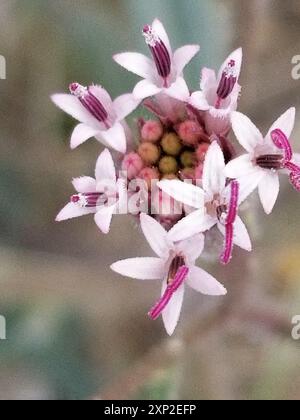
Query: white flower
point(102, 196)
point(219, 94)
point(162, 74)
point(175, 266)
point(217, 204)
point(99, 116)
point(266, 157)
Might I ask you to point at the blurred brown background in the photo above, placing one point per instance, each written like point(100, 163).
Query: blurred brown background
point(75, 330)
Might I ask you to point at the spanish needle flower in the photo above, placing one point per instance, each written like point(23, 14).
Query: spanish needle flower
point(175, 266)
point(217, 204)
point(102, 196)
point(162, 74)
point(99, 116)
point(266, 157)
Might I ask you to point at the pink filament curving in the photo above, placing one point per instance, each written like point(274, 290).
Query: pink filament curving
point(226, 256)
point(295, 180)
point(282, 142)
point(171, 289)
point(233, 206)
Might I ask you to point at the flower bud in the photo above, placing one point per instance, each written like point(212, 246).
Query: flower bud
point(152, 131)
point(132, 164)
point(171, 144)
point(190, 132)
point(188, 159)
point(149, 175)
point(149, 152)
point(168, 165)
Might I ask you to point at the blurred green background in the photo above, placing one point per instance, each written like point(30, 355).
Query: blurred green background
point(75, 330)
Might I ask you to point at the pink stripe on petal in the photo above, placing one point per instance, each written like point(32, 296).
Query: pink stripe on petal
point(227, 254)
point(234, 199)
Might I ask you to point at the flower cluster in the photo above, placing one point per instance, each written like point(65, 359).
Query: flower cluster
point(177, 173)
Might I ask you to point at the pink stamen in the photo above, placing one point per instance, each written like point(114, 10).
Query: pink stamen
point(172, 288)
point(231, 218)
point(90, 102)
point(227, 83)
point(227, 254)
point(159, 52)
point(281, 141)
point(88, 200)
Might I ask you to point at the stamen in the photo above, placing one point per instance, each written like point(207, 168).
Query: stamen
point(172, 288)
point(227, 254)
point(231, 218)
point(159, 52)
point(227, 82)
point(90, 102)
point(272, 162)
point(282, 142)
point(88, 200)
point(295, 180)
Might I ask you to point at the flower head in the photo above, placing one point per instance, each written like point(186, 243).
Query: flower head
point(101, 196)
point(266, 157)
point(219, 94)
point(175, 266)
point(216, 203)
point(99, 116)
point(162, 73)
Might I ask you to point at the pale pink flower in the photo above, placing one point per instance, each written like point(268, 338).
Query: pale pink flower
point(175, 266)
point(266, 157)
point(217, 204)
point(101, 196)
point(99, 116)
point(162, 74)
point(219, 94)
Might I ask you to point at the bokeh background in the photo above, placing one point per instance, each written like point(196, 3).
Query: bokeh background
point(77, 331)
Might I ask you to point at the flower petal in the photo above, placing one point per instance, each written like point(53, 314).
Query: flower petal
point(172, 312)
point(103, 218)
point(105, 167)
point(70, 211)
point(141, 268)
point(179, 90)
point(199, 101)
point(241, 236)
point(248, 184)
point(145, 89)
point(125, 105)
point(84, 184)
point(192, 248)
point(183, 56)
point(268, 191)
point(247, 134)
point(158, 27)
point(214, 179)
point(239, 167)
point(204, 283)
point(137, 63)
point(81, 134)
point(208, 80)
point(155, 235)
point(194, 223)
point(237, 57)
point(115, 138)
point(285, 123)
point(183, 192)
point(72, 106)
